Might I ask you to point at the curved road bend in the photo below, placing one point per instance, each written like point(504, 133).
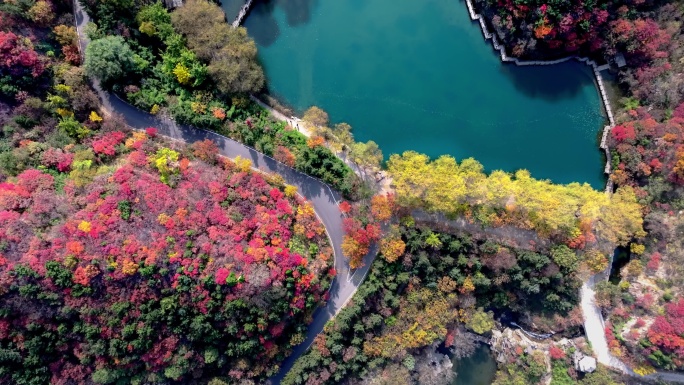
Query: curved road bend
point(321, 196)
point(324, 201)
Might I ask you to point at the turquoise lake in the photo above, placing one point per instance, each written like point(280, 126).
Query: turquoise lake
point(418, 75)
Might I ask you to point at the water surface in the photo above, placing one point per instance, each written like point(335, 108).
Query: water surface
point(477, 369)
point(232, 8)
point(418, 75)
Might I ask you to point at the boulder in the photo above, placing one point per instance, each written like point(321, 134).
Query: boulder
point(584, 363)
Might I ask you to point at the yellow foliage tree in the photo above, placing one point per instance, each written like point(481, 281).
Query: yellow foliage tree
point(242, 164)
point(678, 168)
point(382, 207)
point(443, 185)
point(596, 261)
point(446, 284)
point(290, 191)
point(41, 13)
point(182, 73)
point(644, 369)
point(316, 116)
point(392, 248)
point(65, 35)
point(147, 27)
point(480, 321)
point(163, 218)
point(637, 248)
point(354, 251)
point(94, 117)
point(166, 161)
point(468, 285)
point(129, 267)
point(84, 226)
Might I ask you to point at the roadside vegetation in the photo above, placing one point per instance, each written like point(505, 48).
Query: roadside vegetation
point(201, 74)
point(573, 214)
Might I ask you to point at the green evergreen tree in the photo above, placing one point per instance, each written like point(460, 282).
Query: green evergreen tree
point(109, 58)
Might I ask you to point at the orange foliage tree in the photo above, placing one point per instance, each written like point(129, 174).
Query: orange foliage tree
point(392, 246)
point(354, 250)
point(383, 206)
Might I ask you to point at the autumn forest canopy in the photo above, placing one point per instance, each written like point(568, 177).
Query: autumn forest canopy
point(127, 258)
point(144, 268)
point(568, 211)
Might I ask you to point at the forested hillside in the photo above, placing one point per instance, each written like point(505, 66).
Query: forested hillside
point(128, 259)
point(143, 265)
point(439, 287)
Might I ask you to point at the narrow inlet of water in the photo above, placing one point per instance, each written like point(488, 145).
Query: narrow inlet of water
point(232, 8)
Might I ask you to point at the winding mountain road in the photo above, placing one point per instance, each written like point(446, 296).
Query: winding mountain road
point(321, 196)
point(324, 201)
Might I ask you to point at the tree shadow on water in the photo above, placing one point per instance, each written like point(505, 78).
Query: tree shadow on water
point(261, 23)
point(553, 82)
point(263, 26)
point(298, 11)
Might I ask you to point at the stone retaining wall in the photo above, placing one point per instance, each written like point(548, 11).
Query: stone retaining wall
point(242, 14)
point(597, 75)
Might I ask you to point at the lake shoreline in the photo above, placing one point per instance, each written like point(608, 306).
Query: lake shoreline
point(276, 97)
point(598, 81)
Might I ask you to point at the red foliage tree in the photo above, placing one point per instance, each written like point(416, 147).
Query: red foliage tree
point(284, 155)
point(18, 58)
point(556, 353)
point(57, 158)
point(623, 133)
point(106, 144)
point(71, 54)
point(667, 330)
point(345, 207)
point(206, 150)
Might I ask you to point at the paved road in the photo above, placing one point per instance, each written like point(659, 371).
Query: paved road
point(594, 328)
point(324, 201)
point(322, 197)
point(506, 235)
